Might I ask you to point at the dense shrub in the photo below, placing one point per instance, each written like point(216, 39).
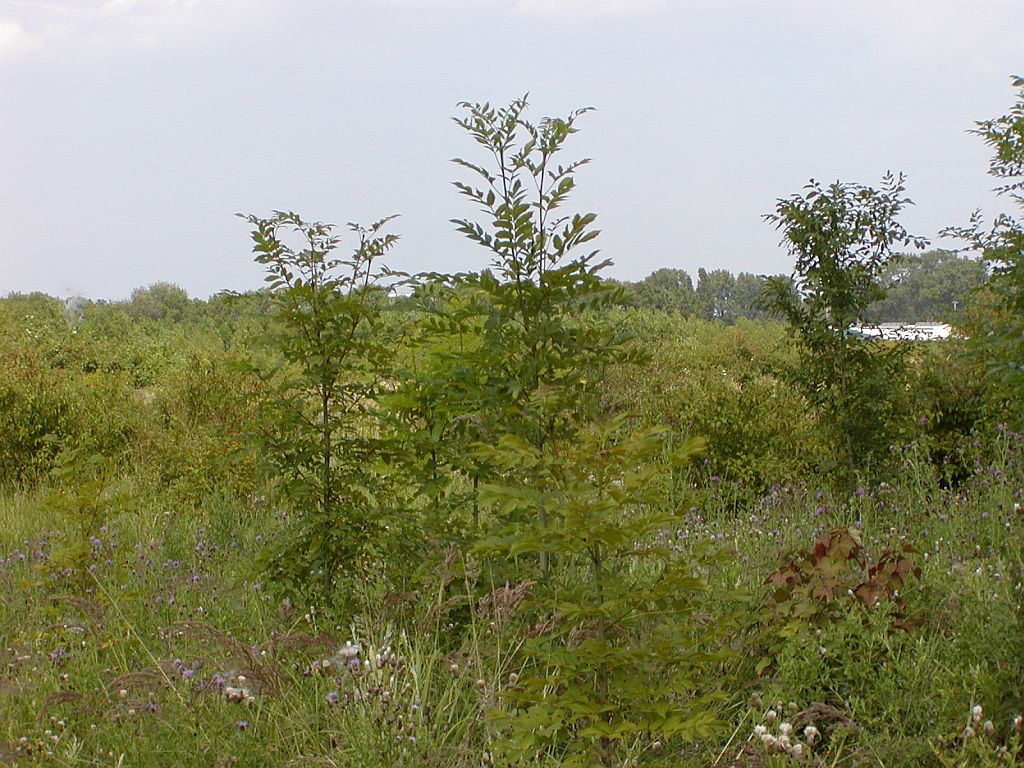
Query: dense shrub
point(728, 385)
point(35, 412)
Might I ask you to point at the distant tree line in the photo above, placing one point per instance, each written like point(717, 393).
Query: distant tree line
point(932, 286)
point(927, 287)
point(718, 294)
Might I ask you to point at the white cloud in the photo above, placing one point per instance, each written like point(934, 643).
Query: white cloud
point(587, 9)
point(584, 10)
point(27, 25)
point(917, 31)
point(14, 39)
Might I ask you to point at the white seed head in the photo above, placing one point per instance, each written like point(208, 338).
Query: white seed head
point(349, 650)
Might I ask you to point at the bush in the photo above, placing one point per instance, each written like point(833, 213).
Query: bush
point(35, 413)
point(727, 384)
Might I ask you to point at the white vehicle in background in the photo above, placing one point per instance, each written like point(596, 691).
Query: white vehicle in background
point(902, 331)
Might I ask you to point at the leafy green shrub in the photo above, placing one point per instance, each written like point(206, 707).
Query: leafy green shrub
point(540, 339)
point(618, 660)
point(432, 410)
point(192, 444)
point(35, 406)
point(728, 384)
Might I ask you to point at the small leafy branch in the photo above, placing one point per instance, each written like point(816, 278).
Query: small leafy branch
point(316, 431)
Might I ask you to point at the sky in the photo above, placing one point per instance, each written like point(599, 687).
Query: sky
point(132, 131)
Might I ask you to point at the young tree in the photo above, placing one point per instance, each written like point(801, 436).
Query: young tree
point(315, 428)
point(585, 505)
point(842, 237)
point(1002, 244)
point(539, 347)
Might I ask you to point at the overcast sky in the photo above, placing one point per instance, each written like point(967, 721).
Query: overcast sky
point(131, 131)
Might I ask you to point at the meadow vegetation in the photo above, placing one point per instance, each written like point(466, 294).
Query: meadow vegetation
point(511, 517)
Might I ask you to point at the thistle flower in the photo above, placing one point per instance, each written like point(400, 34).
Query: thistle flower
point(976, 712)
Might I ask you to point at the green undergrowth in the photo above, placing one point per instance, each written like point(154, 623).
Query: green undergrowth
point(164, 648)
